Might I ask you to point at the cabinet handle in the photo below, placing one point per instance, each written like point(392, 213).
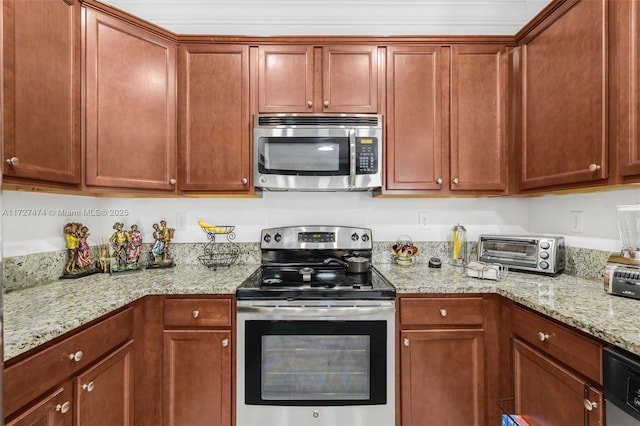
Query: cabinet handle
point(195, 314)
point(309, 104)
point(439, 181)
point(173, 181)
point(326, 104)
point(443, 313)
point(64, 407)
point(13, 161)
point(225, 342)
point(455, 181)
point(589, 405)
point(405, 341)
point(76, 356)
point(543, 337)
point(594, 167)
point(89, 386)
point(244, 181)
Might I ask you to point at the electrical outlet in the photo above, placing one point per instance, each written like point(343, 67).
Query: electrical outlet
point(181, 221)
point(576, 221)
point(424, 220)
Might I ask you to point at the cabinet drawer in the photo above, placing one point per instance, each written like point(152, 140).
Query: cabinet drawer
point(441, 311)
point(197, 312)
point(29, 378)
point(578, 352)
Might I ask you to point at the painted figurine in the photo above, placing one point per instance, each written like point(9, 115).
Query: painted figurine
point(84, 258)
point(79, 261)
point(73, 242)
point(166, 234)
point(135, 245)
point(159, 254)
point(119, 242)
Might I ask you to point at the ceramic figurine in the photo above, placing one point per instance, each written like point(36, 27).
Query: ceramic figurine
point(135, 245)
point(159, 255)
point(79, 261)
point(126, 247)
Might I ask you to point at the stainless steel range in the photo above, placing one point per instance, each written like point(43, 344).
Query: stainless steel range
point(316, 332)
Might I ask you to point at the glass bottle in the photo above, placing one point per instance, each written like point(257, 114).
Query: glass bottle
point(459, 245)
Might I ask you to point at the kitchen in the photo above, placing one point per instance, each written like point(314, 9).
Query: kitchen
point(594, 233)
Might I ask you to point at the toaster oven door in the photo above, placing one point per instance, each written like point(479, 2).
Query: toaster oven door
point(522, 253)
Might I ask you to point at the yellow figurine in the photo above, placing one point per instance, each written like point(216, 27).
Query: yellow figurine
point(119, 242)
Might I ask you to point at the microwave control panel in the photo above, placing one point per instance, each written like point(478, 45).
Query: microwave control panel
point(366, 155)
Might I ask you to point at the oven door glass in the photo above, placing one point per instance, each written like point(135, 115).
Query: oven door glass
point(315, 362)
point(304, 156)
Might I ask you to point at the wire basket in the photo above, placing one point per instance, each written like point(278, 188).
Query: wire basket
point(219, 254)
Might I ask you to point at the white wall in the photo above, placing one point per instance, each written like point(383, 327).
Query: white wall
point(32, 222)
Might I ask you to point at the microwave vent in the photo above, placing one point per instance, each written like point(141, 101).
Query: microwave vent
point(300, 120)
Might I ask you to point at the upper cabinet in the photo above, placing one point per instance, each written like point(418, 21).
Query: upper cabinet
point(130, 106)
point(41, 111)
point(333, 79)
point(564, 98)
point(214, 118)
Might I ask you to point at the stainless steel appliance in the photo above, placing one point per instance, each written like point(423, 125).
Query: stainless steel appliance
point(622, 271)
point(532, 253)
point(621, 377)
point(315, 340)
point(318, 152)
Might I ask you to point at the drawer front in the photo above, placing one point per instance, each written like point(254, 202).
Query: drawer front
point(441, 311)
point(29, 378)
point(569, 347)
point(197, 312)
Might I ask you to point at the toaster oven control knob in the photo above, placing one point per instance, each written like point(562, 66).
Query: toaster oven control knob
point(365, 237)
point(267, 238)
point(544, 245)
point(354, 237)
point(543, 265)
point(316, 414)
point(544, 255)
point(278, 238)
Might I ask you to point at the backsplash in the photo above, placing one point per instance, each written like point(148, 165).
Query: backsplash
point(37, 269)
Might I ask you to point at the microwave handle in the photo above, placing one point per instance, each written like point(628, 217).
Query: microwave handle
point(352, 158)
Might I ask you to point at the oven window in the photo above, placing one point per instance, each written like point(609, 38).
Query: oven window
point(304, 156)
point(315, 362)
point(512, 249)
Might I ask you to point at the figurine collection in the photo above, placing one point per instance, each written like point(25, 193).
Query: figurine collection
point(122, 253)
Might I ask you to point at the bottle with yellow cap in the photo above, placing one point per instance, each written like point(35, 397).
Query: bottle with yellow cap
point(459, 245)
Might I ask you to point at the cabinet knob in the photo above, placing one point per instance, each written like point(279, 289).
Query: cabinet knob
point(589, 405)
point(543, 337)
point(326, 104)
point(309, 104)
point(89, 386)
point(173, 181)
point(64, 407)
point(439, 181)
point(405, 341)
point(443, 313)
point(455, 181)
point(76, 356)
point(244, 181)
point(594, 167)
point(195, 314)
point(225, 342)
point(13, 161)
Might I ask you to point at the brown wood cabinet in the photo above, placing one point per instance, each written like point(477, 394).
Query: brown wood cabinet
point(564, 98)
point(130, 106)
point(442, 363)
point(52, 410)
point(335, 78)
point(197, 362)
point(214, 118)
point(41, 90)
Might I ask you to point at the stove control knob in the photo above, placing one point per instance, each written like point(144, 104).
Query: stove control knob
point(267, 238)
point(354, 237)
point(278, 238)
point(365, 237)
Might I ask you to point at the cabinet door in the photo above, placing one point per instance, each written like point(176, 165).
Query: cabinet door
point(350, 79)
point(130, 106)
point(478, 118)
point(197, 378)
point(442, 374)
point(417, 83)
point(52, 410)
point(546, 393)
point(214, 118)
point(104, 393)
point(564, 99)
point(285, 78)
point(41, 113)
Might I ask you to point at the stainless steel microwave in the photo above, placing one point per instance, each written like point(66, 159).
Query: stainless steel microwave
point(534, 253)
point(318, 152)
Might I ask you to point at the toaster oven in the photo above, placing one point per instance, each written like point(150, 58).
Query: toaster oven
point(532, 253)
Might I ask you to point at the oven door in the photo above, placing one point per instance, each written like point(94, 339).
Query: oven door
point(315, 363)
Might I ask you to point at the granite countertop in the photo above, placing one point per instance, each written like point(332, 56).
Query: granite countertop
point(36, 315)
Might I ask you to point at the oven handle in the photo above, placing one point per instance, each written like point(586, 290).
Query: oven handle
point(318, 311)
point(352, 158)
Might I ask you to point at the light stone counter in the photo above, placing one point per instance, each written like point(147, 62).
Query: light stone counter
point(36, 315)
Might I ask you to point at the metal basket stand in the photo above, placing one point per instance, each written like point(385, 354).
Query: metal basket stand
point(219, 254)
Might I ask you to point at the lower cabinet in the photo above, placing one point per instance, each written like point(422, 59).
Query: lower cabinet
point(52, 410)
point(197, 361)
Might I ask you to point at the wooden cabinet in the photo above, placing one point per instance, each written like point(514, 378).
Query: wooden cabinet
point(41, 90)
point(52, 410)
point(442, 363)
point(130, 106)
point(197, 362)
point(214, 118)
point(557, 373)
point(564, 98)
point(417, 117)
point(299, 78)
